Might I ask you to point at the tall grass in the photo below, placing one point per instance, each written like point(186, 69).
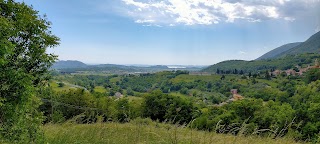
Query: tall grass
point(144, 131)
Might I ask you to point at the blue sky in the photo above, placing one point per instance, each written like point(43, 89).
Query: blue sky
point(186, 32)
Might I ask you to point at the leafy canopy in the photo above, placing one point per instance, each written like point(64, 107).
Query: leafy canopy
point(24, 64)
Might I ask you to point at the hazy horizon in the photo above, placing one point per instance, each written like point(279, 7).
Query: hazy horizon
point(136, 64)
point(175, 32)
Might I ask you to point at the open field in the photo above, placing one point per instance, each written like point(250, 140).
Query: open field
point(100, 89)
point(143, 132)
point(55, 86)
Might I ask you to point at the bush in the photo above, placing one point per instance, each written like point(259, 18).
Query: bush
point(159, 106)
point(61, 84)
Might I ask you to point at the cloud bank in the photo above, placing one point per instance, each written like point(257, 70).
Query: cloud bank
point(208, 12)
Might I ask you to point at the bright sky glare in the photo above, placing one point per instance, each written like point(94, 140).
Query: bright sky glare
point(170, 32)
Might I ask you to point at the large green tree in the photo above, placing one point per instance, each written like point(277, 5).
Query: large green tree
point(160, 106)
point(24, 64)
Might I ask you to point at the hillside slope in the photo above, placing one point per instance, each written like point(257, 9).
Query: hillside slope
point(284, 57)
point(277, 51)
point(68, 64)
point(312, 45)
point(282, 63)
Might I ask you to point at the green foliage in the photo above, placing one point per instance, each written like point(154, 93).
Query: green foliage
point(159, 106)
point(184, 91)
point(278, 105)
point(267, 75)
point(306, 102)
point(266, 94)
point(245, 108)
point(216, 98)
point(275, 116)
point(78, 97)
point(123, 110)
point(130, 92)
point(312, 75)
point(57, 117)
point(282, 106)
point(24, 63)
point(61, 84)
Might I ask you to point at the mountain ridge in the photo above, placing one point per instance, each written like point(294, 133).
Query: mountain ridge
point(311, 45)
point(284, 57)
point(63, 64)
point(278, 50)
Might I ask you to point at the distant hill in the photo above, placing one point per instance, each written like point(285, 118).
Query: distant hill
point(159, 67)
point(69, 64)
point(283, 57)
point(283, 63)
point(312, 45)
point(277, 51)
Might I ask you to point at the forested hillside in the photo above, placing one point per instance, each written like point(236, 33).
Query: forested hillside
point(68, 64)
point(312, 45)
point(256, 66)
point(285, 57)
point(279, 50)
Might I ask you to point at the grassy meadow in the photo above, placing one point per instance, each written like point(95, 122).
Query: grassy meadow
point(144, 132)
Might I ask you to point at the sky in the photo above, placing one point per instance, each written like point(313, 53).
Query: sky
point(175, 32)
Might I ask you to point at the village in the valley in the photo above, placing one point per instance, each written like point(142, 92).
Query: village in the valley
point(236, 96)
point(298, 71)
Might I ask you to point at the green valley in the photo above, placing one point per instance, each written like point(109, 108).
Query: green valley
point(170, 98)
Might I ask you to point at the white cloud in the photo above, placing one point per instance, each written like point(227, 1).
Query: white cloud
point(242, 52)
point(289, 19)
point(137, 4)
point(149, 25)
point(208, 12)
point(144, 21)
